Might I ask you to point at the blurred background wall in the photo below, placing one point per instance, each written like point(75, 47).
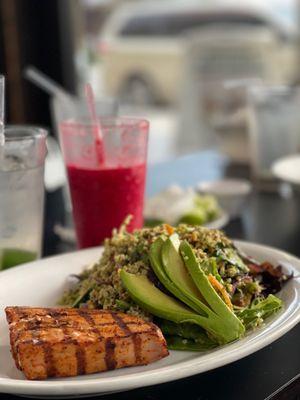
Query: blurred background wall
point(185, 65)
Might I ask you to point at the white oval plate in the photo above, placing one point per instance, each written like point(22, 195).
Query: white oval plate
point(288, 169)
point(41, 283)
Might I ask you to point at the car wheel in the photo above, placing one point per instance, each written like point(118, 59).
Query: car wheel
point(136, 91)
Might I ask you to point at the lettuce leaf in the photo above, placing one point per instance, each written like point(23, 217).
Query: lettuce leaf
point(259, 310)
point(180, 343)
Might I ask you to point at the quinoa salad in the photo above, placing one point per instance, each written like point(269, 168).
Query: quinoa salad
point(246, 286)
point(100, 286)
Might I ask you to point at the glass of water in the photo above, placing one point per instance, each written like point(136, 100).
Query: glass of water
point(274, 122)
point(22, 161)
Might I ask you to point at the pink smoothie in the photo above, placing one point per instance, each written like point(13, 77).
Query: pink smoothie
point(103, 197)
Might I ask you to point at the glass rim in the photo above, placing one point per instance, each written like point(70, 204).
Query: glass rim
point(109, 122)
point(29, 132)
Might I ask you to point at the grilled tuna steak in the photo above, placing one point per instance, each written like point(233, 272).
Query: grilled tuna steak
point(60, 342)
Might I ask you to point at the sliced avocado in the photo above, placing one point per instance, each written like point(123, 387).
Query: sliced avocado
point(208, 292)
point(155, 259)
point(144, 293)
point(174, 266)
point(177, 273)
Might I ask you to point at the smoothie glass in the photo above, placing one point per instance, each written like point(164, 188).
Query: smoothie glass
point(21, 195)
point(104, 193)
point(65, 108)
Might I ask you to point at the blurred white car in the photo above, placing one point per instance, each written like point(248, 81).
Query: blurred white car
point(143, 45)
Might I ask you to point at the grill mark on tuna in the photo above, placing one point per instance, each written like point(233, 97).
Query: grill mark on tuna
point(136, 339)
point(47, 352)
point(48, 357)
point(110, 358)
point(90, 320)
point(81, 359)
point(121, 324)
point(137, 343)
point(79, 352)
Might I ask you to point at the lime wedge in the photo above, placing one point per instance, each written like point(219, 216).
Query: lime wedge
point(12, 257)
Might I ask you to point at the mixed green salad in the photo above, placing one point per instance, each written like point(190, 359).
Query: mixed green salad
point(192, 281)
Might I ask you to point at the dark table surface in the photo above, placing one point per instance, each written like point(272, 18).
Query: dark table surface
point(268, 218)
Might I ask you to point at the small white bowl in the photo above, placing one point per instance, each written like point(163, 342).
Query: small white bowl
point(288, 169)
point(230, 193)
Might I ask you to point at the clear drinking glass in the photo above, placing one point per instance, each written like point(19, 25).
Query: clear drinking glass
point(21, 194)
point(104, 193)
point(76, 109)
point(274, 122)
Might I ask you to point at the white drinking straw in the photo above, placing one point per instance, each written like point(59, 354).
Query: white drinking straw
point(44, 82)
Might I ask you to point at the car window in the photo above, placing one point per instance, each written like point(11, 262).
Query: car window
point(150, 25)
point(176, 24)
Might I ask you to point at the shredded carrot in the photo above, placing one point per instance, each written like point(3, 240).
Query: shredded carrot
point(220, 288)
point(169, 229)
point(194, 236)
